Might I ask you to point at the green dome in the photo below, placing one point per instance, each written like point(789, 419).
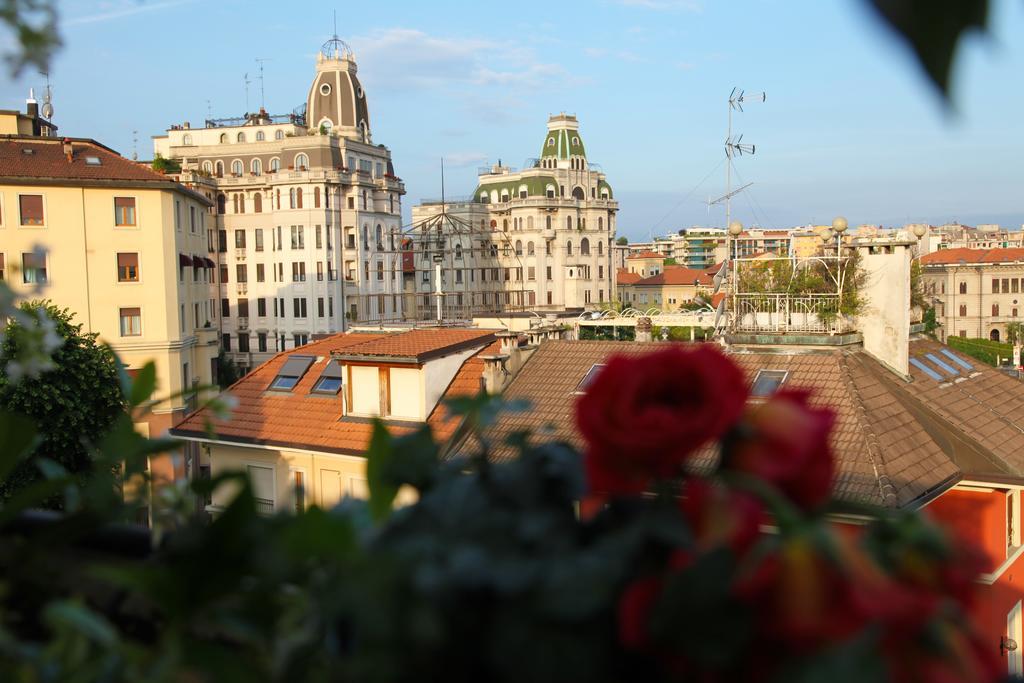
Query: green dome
point(563, 140)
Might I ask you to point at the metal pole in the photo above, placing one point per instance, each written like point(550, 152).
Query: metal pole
point(437, 277)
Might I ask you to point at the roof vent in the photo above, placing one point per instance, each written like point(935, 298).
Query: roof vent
point(28, 150)
point(92, 161)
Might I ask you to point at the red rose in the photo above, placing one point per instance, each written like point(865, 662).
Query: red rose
point(644, 415)
point(635, 607)
point(720, 516)
point(785, 442)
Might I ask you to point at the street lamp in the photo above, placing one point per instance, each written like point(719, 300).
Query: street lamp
point(735, 230)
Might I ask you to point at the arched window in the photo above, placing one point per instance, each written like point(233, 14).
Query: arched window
point(550, 191)
point(506, 250)
point(279, 134)
point(234, 202)
point(316, 197)
point(260, 136)
point(380, 238)
point(186, 139)
point(257, 203)
point(529, 248)
point(995, 310)
point(241, 203)
point(994, 335)
point(963, 288)
point(585, 247)
point(504, 224)
point(391, 239)
point(547, 222)
point(208, 168)
point(298, 198)
point(600, 222)
point(256, 167)
point(291, 198)
point(568, 222)
point(222, 201)
point(578, 193)
point(600, 247)
point(483, 197)
point(223, 138)
point(519, 247)
point(277, 194)
point(236, 168)
point(504, 195)
point(963, 311)
point(301, 162)
point(458, 251)
point(366, 236)
point(220, 169)
point(568, 247)
point(583, 223)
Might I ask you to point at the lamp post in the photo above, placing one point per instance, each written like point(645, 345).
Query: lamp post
point(839, 226)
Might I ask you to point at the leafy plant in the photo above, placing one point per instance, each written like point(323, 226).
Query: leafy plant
point(164, 165)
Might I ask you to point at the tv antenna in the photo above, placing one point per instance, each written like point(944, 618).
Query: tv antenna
point(725, 197)
point(263, 102)
point(47, 108)
point(735, 147)
point(135, 145)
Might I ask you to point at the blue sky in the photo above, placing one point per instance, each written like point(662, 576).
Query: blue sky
point(849, 127)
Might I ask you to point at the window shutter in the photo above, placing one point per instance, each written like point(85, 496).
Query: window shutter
point(127, 260)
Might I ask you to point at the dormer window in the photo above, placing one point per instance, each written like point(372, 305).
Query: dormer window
point(330, 379)
point(291, 372)
point(767, 382)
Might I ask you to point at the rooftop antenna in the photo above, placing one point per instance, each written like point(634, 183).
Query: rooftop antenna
point(263, 102)
point(47, 108)
point(135, 145)
point(209, 110)
point(247, 81)
point(736, 146)
point(335, 46)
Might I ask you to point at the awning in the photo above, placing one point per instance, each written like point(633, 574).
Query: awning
point(184, 260)
point(209, 263)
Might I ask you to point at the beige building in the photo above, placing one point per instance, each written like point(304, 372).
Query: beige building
point(536, 238)
point(307, 228)
point(303, 420)
point(121, 247)
point(647, 282)
point(976, 293)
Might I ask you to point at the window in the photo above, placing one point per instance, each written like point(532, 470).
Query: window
point(316, 197)
point(568, 248)
point(240, 137)
point(223, 274)
point(261, 342)
point(298, 238)
point(330, 379)
point(259, 238)
point(1, 266)
point(531, 273)
point(585, 247)
point(243, 342)
point(380, 270)
point(33, 268)
point(995, 285)
point(995, 310)
point(131, 322)
point(767, 382)
point(240, 239)
point(319, 271)
point(222, 202)
point(963, 287)
point(124, 211)
point(299, 307)
point(256, 167)
point(279, 135)
point(548, 274)
point(963, 311)
point(31, 206)
point(261, 307)
point(291, 372)
point(225, 308)
point(260, 136)
point(275, 164)
point(127, 267)
point(236, 167)
point(298, 271)
point(301, 162)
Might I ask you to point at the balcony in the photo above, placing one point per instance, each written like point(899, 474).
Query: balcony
point(243, 322)
point(242, 288)
point(240, 254)
point(776, 313)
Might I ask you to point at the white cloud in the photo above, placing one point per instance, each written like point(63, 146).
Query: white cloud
point(462, 159)
point(403, 58)
point(122, 8)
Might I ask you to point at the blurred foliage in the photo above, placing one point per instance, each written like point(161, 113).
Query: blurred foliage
point(227, 370)
point(33, 24)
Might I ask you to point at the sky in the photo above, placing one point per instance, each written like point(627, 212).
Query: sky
point(849, 126)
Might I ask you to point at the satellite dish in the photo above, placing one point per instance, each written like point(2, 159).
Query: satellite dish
point(720, 276)
point(47, 110)
point(719, 313)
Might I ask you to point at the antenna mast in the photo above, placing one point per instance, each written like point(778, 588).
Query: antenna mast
point(135, 145)
point(247, 81)
point(263, 101)
point(736, 147)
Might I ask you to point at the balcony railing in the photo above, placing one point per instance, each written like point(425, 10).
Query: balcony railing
point(243, 322)
point(780, 313)
point(242, 287)
point(240, 254)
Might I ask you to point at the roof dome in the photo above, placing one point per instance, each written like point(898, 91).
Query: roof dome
point(563, 140)
point(336, 100)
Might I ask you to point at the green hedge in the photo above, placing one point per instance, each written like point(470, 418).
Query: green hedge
point(984, 350)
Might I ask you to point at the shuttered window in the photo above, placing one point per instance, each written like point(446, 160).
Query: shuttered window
point(131, 322)
point(127, 267)
point(31, 206)
point(124, 210)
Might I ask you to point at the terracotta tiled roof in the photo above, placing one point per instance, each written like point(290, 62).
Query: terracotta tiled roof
point(965, 255)
point(417, 344)
point(645, 254)
point(44, 158)
point(624, 277)
point(677, 275)
point(301, 419)
point(888, 453)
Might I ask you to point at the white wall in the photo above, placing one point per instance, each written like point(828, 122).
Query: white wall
point(407, 398)
point(365, 390)
point(439, 373)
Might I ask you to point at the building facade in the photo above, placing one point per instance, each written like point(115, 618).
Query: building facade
point(537, 238)
point(307, 219)
point(122, 247)
point(976, 293)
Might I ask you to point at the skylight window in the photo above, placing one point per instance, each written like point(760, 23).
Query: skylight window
point(291, 372)
point(330, 379)
point(925, 369)
point(92, 161)
point(767, 382)
point(943, 366)
point(588, 378)
point(957, 359)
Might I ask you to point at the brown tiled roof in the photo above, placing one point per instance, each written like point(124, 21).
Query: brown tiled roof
point(645, 254)
point(677, 275)
point(418, 345)
point(886, 456)
point(301, 419)
point(965, 255)
point(33, 158)
point(624, 277)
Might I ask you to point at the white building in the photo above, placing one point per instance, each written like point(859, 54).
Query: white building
point(299, 198)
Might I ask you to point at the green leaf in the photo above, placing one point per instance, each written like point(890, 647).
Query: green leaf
point(81, 619)
point(933, 29)
point(378, 459)
point(143, 386)
point(18, 435)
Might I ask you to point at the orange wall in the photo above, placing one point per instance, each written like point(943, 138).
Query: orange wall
point(977, 515)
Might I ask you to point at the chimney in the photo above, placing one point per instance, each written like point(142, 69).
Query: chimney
point(69, 150)
point(510, 349)
point(31, 106)
point(494, 372)
point(643, 330)
point(884, 321)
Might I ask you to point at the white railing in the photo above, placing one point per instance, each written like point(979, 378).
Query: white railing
point(780, 313)
point(243, 288)
point(243, 322)
point(239, 254)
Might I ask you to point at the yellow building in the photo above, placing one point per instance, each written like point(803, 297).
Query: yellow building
point(120, 246)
